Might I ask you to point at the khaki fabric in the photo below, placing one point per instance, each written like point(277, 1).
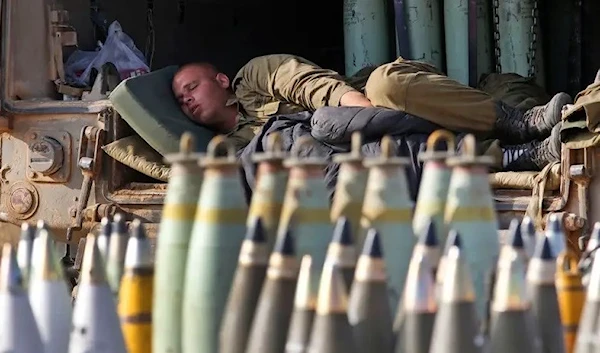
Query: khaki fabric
point(243, 133)
point(536, 204)
point(245, 129)
point(525, 180)
point(283, 84)
point(421, 90)
point(515, 90)
point(581, 121)
point(587, 102)
point(135, 153)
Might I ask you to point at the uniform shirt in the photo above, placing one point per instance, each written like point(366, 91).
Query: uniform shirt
point(245, 128)
point(284, 84)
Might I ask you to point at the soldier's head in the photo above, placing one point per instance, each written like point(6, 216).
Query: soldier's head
point(202, 92)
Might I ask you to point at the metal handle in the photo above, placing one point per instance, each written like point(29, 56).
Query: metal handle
point(438, 135)
point(187, 143)
point(217, 141)
point(387, 147)
point(356, 144)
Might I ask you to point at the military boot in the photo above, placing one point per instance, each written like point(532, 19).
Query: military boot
point(515, 127)
point(533, 156)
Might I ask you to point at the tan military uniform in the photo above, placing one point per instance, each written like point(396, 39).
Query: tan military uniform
point(245, 129)
point(282, 84)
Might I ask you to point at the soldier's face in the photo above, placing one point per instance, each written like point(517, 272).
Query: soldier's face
point(202, 93)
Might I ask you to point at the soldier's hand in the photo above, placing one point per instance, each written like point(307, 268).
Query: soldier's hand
point(355, 99)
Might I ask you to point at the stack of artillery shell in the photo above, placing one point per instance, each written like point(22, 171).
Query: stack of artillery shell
point(388, 208)
point(587, 257)
point(172, 246)
point(571, 295)
point(136, 292)
point(95, 320)
point(513, 328)
point(470, 211)
point(415, 318)
point(594, 241)
point(331, 331)
point(268, 194)
point(18, 332)
point(24, 252)
point(103, 239)
point(245, 291)
point(49, 297)
point(305, 303)
point(556, 235)
point(276, 302)
point(514, 242)
point(350, 187)
point(429, 247)
point(541, 276)
point(453, 239)
point(587, 338)
point(529, 234)
point(431, 201)
point(368, 310)
point(117, 247)
point(456, 327)
point(306, 209)
point(215, 242)
point(35, 248)
point(341, 251)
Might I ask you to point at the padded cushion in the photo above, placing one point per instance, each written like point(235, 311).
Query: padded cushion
point(524, 180)
point(135, 153)
point(148, 105)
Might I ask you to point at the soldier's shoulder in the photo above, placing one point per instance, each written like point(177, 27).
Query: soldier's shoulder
point(271, 61)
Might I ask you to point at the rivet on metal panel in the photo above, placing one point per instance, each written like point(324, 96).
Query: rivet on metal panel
point(23, 200)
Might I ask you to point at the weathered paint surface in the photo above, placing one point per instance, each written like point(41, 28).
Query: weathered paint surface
point(424, 31)
point(516, 21)
point(456, 23)
point(366, 34)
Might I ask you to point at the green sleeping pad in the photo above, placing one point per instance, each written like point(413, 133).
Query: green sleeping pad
point(148, 105)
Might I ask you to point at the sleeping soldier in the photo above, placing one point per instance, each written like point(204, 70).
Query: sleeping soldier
point(284, 84)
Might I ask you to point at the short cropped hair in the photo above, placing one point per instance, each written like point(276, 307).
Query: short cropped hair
point(200, 64)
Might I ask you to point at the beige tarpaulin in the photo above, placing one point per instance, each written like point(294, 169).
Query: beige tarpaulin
point(581, 122)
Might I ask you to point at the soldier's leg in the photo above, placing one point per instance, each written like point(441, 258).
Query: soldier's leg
point(404, 86)
point(531, 156)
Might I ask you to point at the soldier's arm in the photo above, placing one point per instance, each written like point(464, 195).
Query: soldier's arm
point(295, 80)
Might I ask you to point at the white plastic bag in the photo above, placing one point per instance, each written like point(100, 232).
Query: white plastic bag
point(118, 49)
point(75, 66)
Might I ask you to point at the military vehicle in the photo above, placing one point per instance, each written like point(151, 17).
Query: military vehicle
point(54, 160)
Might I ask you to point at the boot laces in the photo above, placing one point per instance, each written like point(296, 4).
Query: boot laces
point(512, 153)
point(535, 115)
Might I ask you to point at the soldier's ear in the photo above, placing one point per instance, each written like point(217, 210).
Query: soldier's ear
point(223, 80)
